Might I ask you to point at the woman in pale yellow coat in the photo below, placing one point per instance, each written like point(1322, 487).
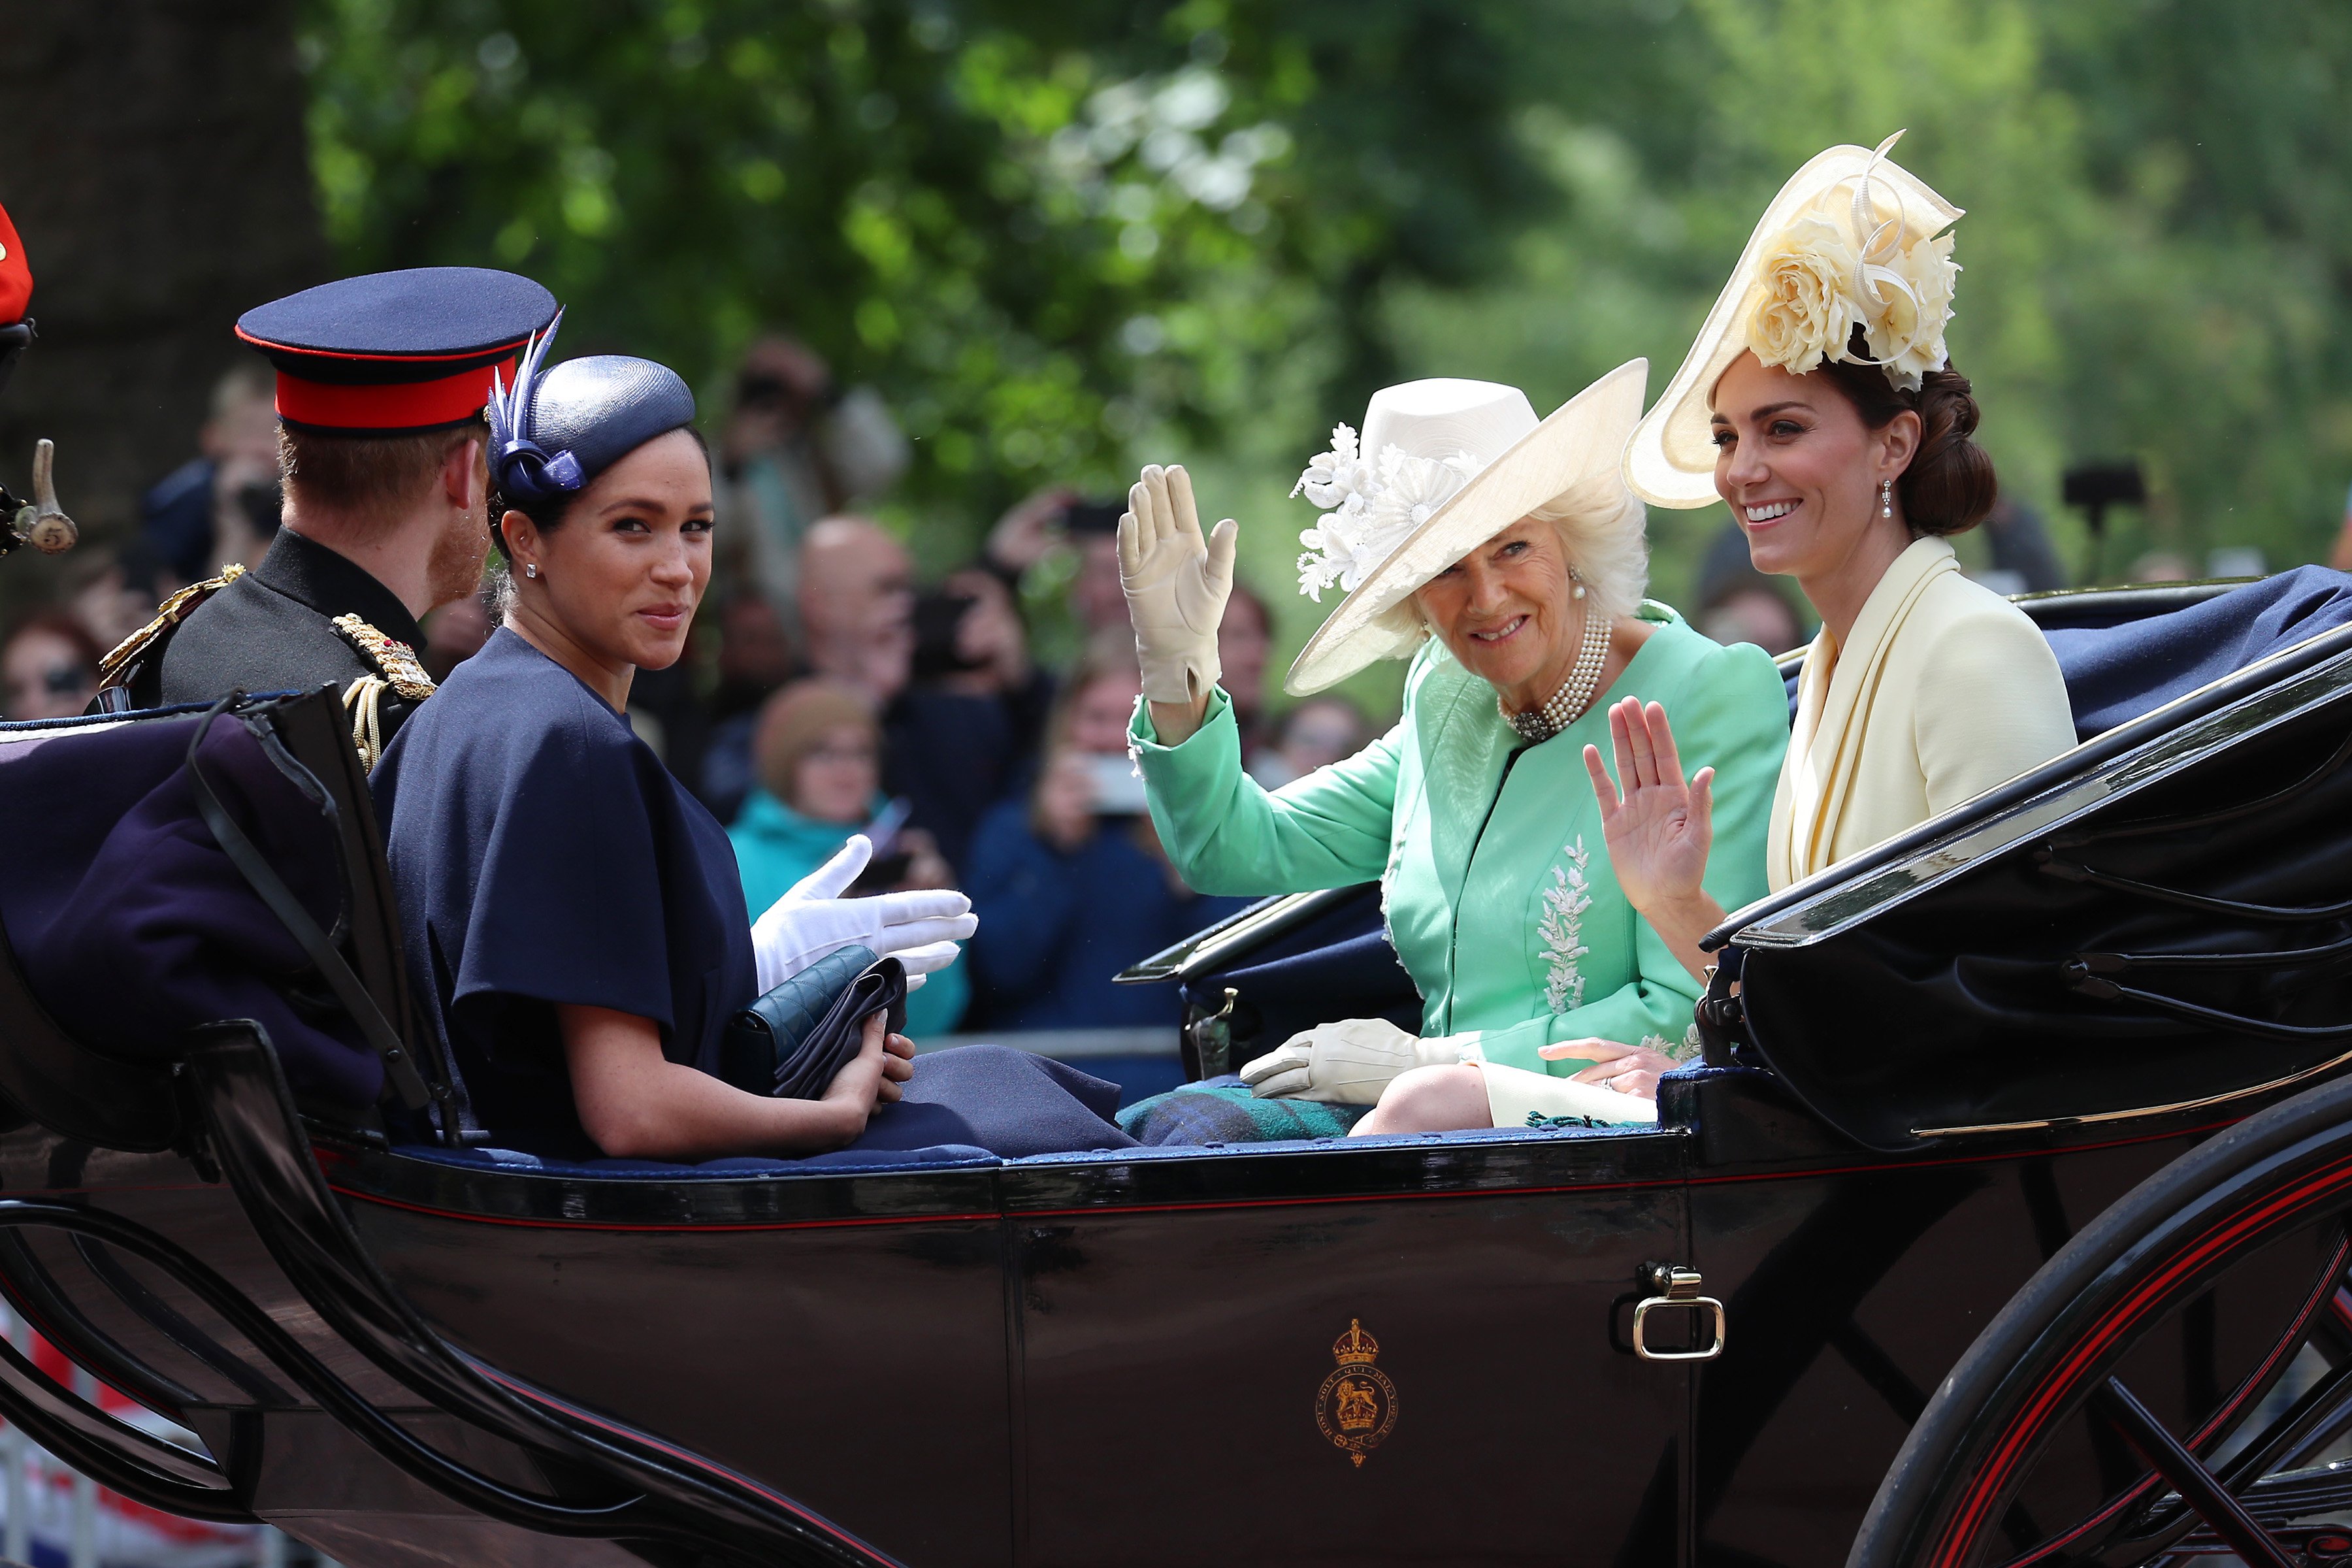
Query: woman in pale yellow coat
point(1820, 405)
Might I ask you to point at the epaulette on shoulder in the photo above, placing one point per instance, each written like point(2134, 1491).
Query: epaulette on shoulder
point(168, 615)
point(394, 658)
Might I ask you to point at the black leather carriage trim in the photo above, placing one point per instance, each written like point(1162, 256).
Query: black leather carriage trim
point(2312, 779)
point(1238, 933)
point(2308, 1075)
point(572, 1220)
point(1116, 1182)
point(385, 1040)
point(1116, 1179)
point(2067, 872)
point(637, 1487)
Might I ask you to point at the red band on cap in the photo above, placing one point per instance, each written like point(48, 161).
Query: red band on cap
point(16, 274)
point(410, 406)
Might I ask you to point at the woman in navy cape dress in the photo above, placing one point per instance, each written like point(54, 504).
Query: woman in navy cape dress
point(555, 880)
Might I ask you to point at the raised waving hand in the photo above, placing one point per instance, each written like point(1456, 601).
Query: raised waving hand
point(1659, 828)
point(1177, 581)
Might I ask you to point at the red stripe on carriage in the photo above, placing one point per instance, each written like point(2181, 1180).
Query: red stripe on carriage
point(1975, 1503)
point(2320, 1295)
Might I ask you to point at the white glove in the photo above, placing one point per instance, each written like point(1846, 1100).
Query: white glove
point(1176, 584)
point(1349, 1062)
point(919, 929)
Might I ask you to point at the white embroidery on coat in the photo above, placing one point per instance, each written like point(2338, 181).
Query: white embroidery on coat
point(1562, 929)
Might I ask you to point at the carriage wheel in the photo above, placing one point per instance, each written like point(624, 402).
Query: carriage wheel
point(2170, 1388)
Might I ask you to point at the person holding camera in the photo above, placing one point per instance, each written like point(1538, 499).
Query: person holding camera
point(1071, 885)
point(223, 504)
point(966, 731)
point(799, 447)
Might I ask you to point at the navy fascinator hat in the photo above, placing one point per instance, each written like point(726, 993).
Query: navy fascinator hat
point(553, 430)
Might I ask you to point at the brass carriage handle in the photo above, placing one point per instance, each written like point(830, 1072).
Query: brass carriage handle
point(1678, 1286)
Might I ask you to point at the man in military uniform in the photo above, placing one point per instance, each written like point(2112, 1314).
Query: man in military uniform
point(381, 382)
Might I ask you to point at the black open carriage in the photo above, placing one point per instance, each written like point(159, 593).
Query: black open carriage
point(2008, 1220)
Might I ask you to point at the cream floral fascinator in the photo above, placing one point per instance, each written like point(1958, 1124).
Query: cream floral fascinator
point(1853, 239)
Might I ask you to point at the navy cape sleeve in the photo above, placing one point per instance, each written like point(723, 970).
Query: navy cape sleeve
point(567, 903)
point(542, 854)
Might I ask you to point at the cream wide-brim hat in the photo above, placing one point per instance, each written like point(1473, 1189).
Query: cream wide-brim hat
point(1576, 448)
point(1669, 461)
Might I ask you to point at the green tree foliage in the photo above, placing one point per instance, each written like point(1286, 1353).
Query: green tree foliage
point(2157, 251)
point(1066, 238)
point(1038, 229)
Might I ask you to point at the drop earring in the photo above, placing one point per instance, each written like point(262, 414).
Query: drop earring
point(1572, 576)
point(1886, 498)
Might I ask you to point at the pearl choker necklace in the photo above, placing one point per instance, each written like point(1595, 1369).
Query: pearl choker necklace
point(1567, 705)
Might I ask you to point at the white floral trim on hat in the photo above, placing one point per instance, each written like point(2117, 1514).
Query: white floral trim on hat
point(1370, 508)
point(1827, 273)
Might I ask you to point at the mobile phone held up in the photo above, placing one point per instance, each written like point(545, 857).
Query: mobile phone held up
point(1118, 792)
point(891, 859)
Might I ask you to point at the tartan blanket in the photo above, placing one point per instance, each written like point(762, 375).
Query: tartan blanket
point(1223, 1110)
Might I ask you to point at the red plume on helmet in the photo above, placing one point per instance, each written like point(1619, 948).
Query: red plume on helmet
point(16, 274)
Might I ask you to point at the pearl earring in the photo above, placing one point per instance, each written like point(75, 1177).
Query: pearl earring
point(530, 570)
point(1886, 498)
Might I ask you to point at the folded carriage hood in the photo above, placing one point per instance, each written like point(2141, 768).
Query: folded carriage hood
point(2154, 921)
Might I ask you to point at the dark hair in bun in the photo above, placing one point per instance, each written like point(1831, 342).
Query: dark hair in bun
point(1951, 486)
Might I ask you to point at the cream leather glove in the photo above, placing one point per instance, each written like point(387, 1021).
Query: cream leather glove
point(1349, 1062)
point(1176, 583)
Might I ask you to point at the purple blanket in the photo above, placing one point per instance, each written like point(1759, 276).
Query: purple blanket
point(130, 924)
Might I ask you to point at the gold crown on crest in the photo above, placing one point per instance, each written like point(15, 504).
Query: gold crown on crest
point(1356, 1348)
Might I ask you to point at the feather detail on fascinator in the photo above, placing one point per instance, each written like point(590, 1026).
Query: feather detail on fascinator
point(519, 466)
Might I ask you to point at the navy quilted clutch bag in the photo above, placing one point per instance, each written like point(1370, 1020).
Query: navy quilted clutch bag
point(790, 1042)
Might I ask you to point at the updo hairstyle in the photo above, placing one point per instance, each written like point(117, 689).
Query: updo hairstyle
point(1951, 486)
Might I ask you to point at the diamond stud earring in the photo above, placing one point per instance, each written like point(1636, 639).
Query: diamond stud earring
point(530, 570)
point(1886, 498)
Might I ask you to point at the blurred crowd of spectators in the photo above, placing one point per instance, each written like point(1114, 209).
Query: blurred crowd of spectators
point(834, 687)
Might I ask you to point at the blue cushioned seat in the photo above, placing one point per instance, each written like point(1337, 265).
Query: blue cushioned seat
point(867, 1162)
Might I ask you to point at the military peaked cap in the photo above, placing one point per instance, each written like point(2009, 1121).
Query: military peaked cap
point(394, 352)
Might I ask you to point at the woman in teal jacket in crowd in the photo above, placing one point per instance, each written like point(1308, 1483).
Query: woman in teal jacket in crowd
point(1505, 557)
point(819, 756)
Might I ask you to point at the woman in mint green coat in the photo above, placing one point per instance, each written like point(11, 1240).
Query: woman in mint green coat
point(1505, 557)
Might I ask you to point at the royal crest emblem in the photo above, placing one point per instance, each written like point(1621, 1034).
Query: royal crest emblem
point(1356, 1406)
